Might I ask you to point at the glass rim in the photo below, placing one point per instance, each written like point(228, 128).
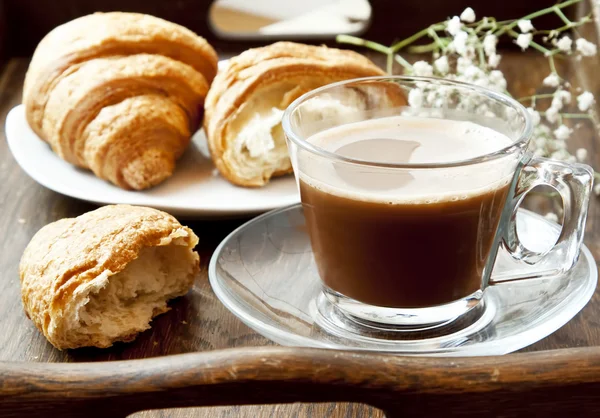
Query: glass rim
point(515, 145)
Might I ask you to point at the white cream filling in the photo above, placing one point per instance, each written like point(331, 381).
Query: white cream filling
point(257, 134)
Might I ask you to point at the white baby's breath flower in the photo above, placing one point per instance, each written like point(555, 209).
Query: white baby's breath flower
point(422, 68)
point(581, 154)
point(470, 50)
point(559, 145)
point(453, 25)
point(561, 155)
point(535, 116)
point(481, 82)
point(415, 98)
point(468, 15)
point(460, 42)
point(585, 100)
point(497, 78)
point(551, 217)
point(597, 189)
point(564, 95)
point(552, 115)
point(543, 130)
point(494, 60)
point(565, 43)
point(473, 72)
point(441, 65)
point(562, 132)
point(552, 80)
point(525, 25)
point(523, 40)
point(462, 64)
point(489, 44)
point(586, 48)
point(557, 102)
point(431, 96)
point(539, 142)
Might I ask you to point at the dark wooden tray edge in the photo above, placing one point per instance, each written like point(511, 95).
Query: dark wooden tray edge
point(553, 382)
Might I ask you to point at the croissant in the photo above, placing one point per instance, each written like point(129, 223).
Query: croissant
point(101, 277)
point(246, 101)
point(119, 94)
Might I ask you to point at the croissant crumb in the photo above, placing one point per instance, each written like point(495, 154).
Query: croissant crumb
point(101, 277)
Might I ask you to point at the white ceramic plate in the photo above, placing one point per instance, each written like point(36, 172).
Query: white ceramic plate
point(194, 190)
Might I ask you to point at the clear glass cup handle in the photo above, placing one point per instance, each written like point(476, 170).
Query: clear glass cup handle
point(573, 182)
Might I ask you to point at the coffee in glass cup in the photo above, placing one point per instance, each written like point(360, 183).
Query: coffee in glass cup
point(408, 206)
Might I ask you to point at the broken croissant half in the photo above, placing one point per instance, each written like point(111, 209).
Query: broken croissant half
point(247, 99)
point(101, 277)
point(119, 94)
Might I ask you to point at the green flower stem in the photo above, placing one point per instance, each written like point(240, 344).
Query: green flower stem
point(548, 10)
point(570, 115)
point(389, 63)
point(431, 47)
point(576, 116)
point(537, 96)
point(504, 22)
point(433, 34)
point(423, 49)
point(562, 16)
point(402, 62)
point(481, 56)
point(551, 64)
point(399, 45)
point(483, 26)
point(572, 25)
point(353, 40)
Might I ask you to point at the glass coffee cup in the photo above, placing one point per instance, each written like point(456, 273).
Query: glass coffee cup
point(410, 188)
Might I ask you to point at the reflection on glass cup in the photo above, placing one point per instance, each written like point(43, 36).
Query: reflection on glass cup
point(407, 206)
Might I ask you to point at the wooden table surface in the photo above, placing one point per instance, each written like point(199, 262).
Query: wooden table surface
point(198, 322)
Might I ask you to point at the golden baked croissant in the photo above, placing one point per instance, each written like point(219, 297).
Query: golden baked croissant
point(244, 106)
point(101, 277)
point(119, 94)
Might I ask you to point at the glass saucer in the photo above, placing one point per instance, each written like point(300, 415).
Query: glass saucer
point(264, 272)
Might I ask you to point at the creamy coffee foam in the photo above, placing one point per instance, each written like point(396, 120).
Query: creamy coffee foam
point(405, 139)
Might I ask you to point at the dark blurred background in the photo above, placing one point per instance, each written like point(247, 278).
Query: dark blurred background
point(24, 22)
